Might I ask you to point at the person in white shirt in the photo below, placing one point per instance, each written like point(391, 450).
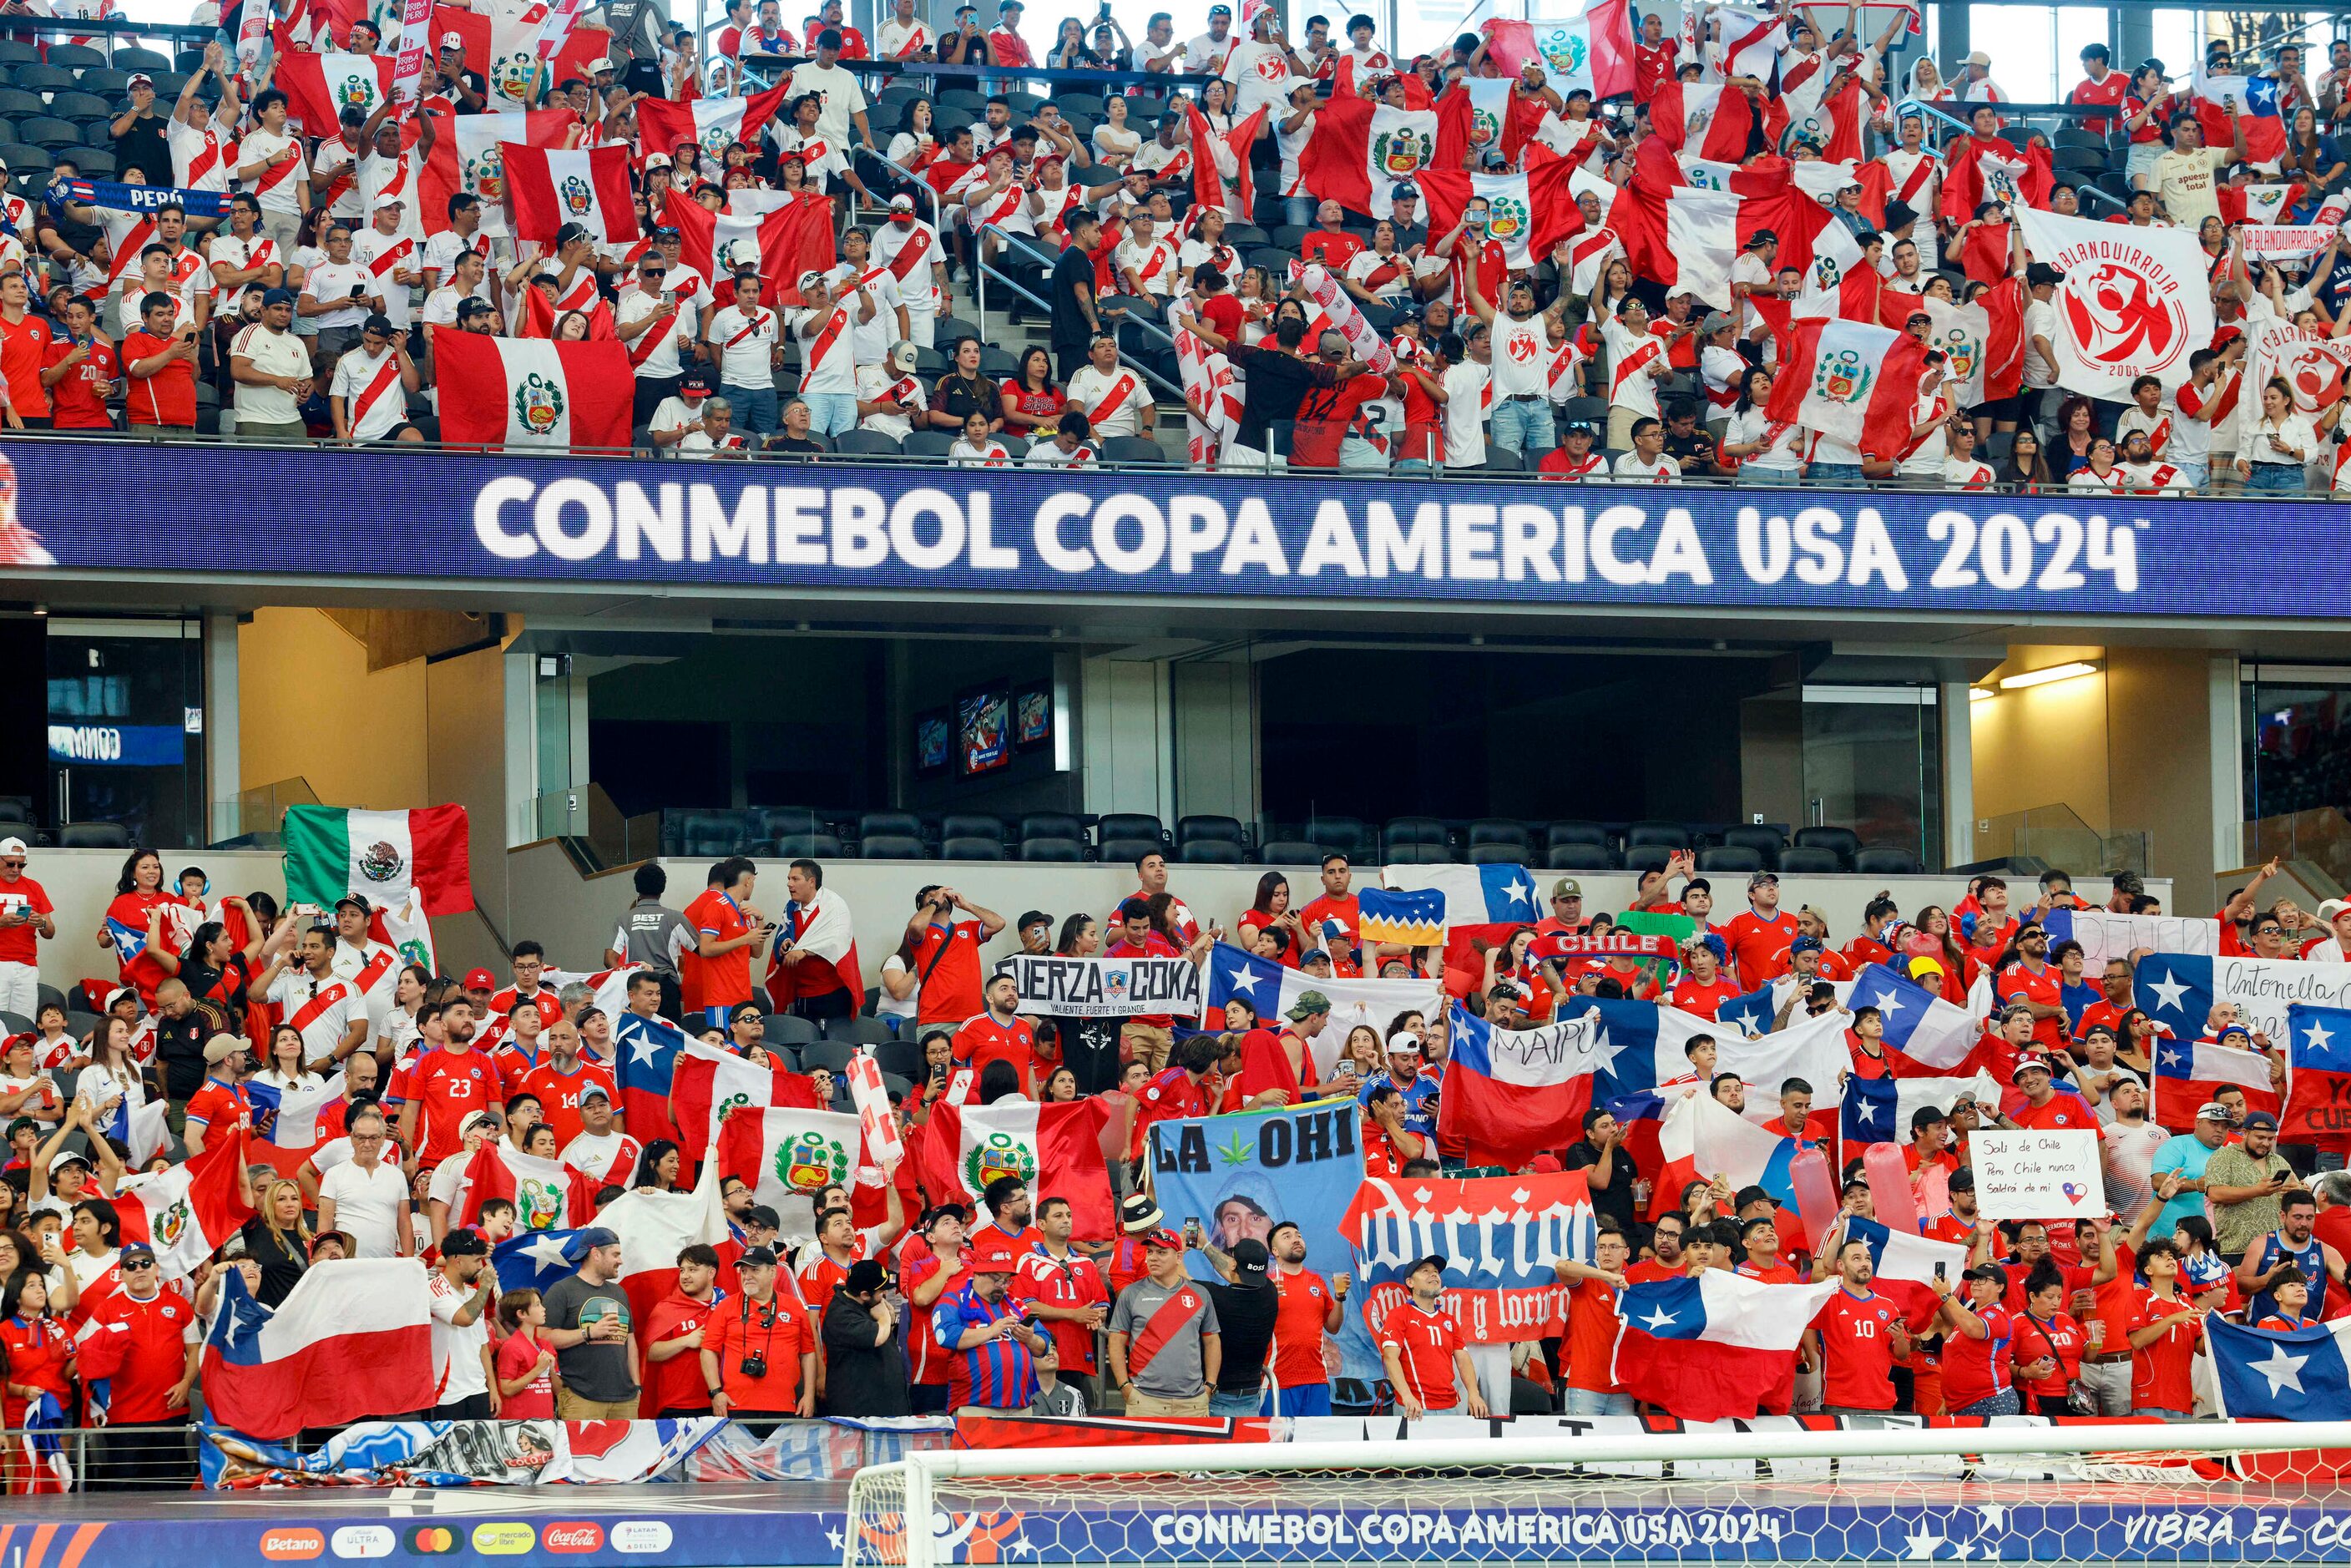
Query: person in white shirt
point(1205, 55)
point(870, 337)
point(744, 341)
point(270, 165)
point(2147, 474)
point(2099, 472)
point(890, 397)
point(910, 249)
point(337, 293)
point(1648, 461)
point(464, 234)
point(1111, 396)
point(366, 1197)
point(1637, 363)
point(244, 258)
point(389, 258)
point(680, 413)
point(657, 330)
point(442, 306)
point(1143, 264)
point(1962, 469)
point(272, 372)
point(601, 1151)
point(715, 435)
point(842, 92)
point(825, 328)
point(457, 1296)
point(976, 448)
point(1766, 454)
point(905, 37)
point(1465, 382)
point(2280, 445)
point(1524, 343)
point(1072, 445)
point(369, 394)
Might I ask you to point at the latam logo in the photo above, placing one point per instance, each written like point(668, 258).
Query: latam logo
point(293, 1545)
point(641, 1535)
point(586, 1536)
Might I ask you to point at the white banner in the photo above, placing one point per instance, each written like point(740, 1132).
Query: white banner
point(2311, 363)
point(1347, 319)
point(2289, 240)
point(1054, 987)
point(2038, 1174)
point(415, 46)
point(2133, 302)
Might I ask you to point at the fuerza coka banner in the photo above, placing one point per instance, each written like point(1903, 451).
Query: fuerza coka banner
point(585, 522)
point(1055, 986)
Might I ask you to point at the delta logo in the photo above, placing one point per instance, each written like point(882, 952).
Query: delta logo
point(583, 1536)
point(293, 1544)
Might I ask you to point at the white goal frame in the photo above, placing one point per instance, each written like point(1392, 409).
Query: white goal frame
point(908, 1487)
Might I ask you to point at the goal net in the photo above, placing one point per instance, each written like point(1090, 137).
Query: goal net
point(1903, 1492)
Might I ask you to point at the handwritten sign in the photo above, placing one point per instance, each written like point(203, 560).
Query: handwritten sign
point(2033, 1175)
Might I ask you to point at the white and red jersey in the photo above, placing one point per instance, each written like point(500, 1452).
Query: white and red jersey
point(1560, 465)
point(1007, 209)
point(910, 253)
point(1112, 402)
point(2153, 478)
point(321, 1009)
point(869, 340)
point(606, 1160)
point(202, 156)
point(1151, 262)
point(383, 256)
point(276, 187)
point(1913, 178)
point(745, 343)
point(2087, 478)
point(380, 176)
point(441, 253)
point(335, 178)
point(907, 40)
point(241, 255)
point(828, 359)
point(375, 400)
point(1967, 473)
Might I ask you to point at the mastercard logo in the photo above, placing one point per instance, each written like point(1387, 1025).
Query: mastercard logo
point(293, 1545)
point(504, 1539)
point(432, 1540)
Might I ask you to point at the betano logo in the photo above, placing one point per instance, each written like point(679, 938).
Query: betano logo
point(293, 1544)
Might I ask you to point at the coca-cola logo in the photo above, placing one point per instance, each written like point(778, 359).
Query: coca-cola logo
point(586, 1536)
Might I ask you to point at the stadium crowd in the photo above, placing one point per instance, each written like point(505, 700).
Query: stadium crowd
point(308, 309)
point(233, 1003)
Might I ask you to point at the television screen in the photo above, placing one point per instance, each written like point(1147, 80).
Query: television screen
point(1033, 716)
point(984, 727)
point(934, 741)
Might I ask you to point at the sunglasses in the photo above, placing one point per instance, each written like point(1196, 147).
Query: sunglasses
point(136, 1265)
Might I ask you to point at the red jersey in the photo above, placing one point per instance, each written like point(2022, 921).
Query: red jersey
point(947, 966)
point(451, 1085)
point(2063, 1111)
point(1425, 1342)
point(2160, 1371)
point(1976, 1369)
point(558, 1094)
point(550, 1010)
point(2061, 1340)
point(1298, 1328)
point(1690, 997)
point(1070, 1282)
point(1755, 942)
point(1170, 1095)
point(23, 353)
point(2106, 1013)
point(2076, 1279)
point(778, 1332)
point(930, 1360)
point(1327, 908)
point(1591, 1327)
point(982, 1039)
point(726, 980)
point(216, 1107)
point(75, 403)
point(24, 894)
point(535, 1400)
point(675, 1383)
point(1857, 1350)
point(161, 1329)
point(2018, 984)
point(1333, 248)
point(169, 396)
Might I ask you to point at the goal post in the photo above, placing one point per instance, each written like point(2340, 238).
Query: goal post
point(936, 1507)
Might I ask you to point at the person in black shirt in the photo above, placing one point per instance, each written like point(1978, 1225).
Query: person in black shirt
point(1607, 1168)
point(1686, 441)
point(1279, 378)
point(794, 440)
point(964, 392)
point(1246, 1307)
point(140, 138)
point(181, 1031)
point(865, 1371)
point(1078, 316)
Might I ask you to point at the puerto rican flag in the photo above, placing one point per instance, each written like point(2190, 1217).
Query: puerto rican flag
point(588, 185)
point(348, 1343)
point(2318, 1073)
point(509, 394)
point(2188, 1073)
point(1715, 1347)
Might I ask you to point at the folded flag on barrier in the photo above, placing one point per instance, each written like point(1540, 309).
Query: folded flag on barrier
point(1411, 919)
point(2291, 1374)
point(348, 1342)
point(464, 1453)
point(1714, 1347)
point(2318, 1059)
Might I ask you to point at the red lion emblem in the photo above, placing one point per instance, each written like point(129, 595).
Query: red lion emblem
point(2118, 322)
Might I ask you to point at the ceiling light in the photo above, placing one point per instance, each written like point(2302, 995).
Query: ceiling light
point(2066, 672)
point(1980, 693)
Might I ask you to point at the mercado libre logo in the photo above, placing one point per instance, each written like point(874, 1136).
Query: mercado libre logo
point(538, 404)
point(1000, 1154)
point(2122, 306)
point(806, 1162)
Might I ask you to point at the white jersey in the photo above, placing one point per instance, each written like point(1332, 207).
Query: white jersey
point(910, 253)
point(869, 342)
point(376, 403)
point(322, 1009)
point(383, 254)
point(1111, 401)
point(828, 362)
point(745, 344)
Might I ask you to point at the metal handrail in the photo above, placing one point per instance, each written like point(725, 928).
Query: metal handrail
point(985, 270)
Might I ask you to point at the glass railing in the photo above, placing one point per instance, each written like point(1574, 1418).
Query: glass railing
point(2056, 835)
point(588, 814)
point(2319, 837)
point(256, 817)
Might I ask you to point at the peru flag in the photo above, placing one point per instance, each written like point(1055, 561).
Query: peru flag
point(2318, 1073)
point(1526, 214)
point(1715, 1347)
point(1592, 51)
point(1702, 1139)
point(547, 1193)
point(1361, 150)
point(2188, 1073)
point(1056, 1149)
point(787, 1153)
point(654, 1227)
point(708, 1082)
point(511, 392)
point(710, 123)
point(188, 1211)
point(1853, 381)
point(348, 1342)
point(501, 43)
point(466, 159)
point(318, 88)
point(778, 245)
point(588, 185)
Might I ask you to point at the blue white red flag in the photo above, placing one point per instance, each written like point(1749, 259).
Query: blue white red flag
point(1878, 1110)
point(535, 1260)
point(1703, 1139)
point(1271, 989)
point(2318, 1073)
point(1474, 894)
point(2291, 1375)
point(1898, 1255)
point(1510, 1095)
point(645, 1057)
point(1922, 1026)
point(292, 1118)
point(1715, 1347)
point(2188, 1073)
point(348, 1342)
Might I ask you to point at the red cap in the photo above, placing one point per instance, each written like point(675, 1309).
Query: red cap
point(1544, 1165)
point(481, 979)
point(992, 1252)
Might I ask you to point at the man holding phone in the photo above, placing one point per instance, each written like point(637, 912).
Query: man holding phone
point(337, 295)
point(2243, 1185)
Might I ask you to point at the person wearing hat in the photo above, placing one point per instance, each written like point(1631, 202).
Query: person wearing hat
point(2244, 1182)
point(1207, 53)
point(271, 369)
point(759, 1355)
point(990, 1344)
point(926, 1276)
point(141, 133)
point(1180, 1354)
point(2180, 1163)
point(154, 1339)
point(367, 394)
point(458, 1292)
point(589, 1326)
point(890, 395)
point(864, 1371)
point(1566, 917)
point(26, 915)
point(1976, 85)
point(2044, 1107)
point(219, 1106)
point(1422, 1347)
point(1407, 1053)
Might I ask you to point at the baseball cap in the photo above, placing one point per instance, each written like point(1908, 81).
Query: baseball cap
point(387, 199)
point(1308, 1004)
point(600, 63)
point(279, 296)
point(902, 203)
point(1747, 1194)
point(810, 276)
point(453, 40)
point(1716, 321)
point(1137, 1214)
point(1249, 1256)
point(1165, 1239)
point(475, 1119)
point(464, 1242)
point(1960, 1180)
point(993, 1253)
point(865, 1274)
point(761, 1215)
point(1220, 10)
point(756, 1257)
point(1567, 887)
point(1978, 58)
point(596, 1236)
point(660, 160)
point(480, 979)
point(221, 1047)
point(136, 1250)
point(140, 79)
point(1403, 1042)
point(903, 357)
point(2213, 1110)
point(695, 380)
point(380, 324)
point(1807, 944)
point(1437, 1259)
point(1760, 877)
point(13, 849)
point(1314, 955)
point(1581, 427)
point(1405, 191)
point(1926, 1116)
point(2025, 1065)
point(594, 1091)
point(63, 1158)
point(2261, 1119)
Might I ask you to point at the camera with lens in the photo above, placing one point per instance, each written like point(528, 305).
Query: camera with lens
point(753, 1367)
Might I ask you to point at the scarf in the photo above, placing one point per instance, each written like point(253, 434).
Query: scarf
point(137, 198)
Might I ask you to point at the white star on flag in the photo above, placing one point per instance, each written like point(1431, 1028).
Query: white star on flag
point(834, 1536)
point(1867, 1112)
point(2282, 1371)
point(643, 1049)
point(1889, 1004)
point(546, 1252)
point(1245, 980)
point(1659, 1319)
point(2172, 1056)
point(2317, 1038)
point(2169, 993)
point(1521, 891)
point(1923, 1544)
point(1604, 1053)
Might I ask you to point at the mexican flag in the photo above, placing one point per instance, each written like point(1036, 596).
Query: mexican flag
point(389, 858)
point(1056, 1149)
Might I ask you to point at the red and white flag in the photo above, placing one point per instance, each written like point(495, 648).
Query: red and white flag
point(1210, 386)
point(501, 43)
point(1594, 51)
point(348, 1342)
point(1056, 1149)
point(710, 123)
point(708, 1082)
point(788, 1153)
point(1749, 42)
point(2132, 302)
point(320, 87)
point(822, 935)
point(547, 1193)
point(413, 47)
point(1715, 1346)
point(511, 392)
point(654, 1227)
point(778, 245)
point(588, 185)
point(188, 1211)
point(1852, 380)
point(1347, 317)
point(466, 158)
point(877, 1123)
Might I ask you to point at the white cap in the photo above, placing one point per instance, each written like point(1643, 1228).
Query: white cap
point(453, 40)
point(13, 847)
point(385, 200)
point(600, 63)
point(902, 203)
point(810, 276)
point(1404, 1040)
point(659, 161)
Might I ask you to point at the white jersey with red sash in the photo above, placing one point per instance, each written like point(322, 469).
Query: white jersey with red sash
point(1588, 253)
point(322, 1010)
point(382, 254)
point(1913, 174)
point(826, 357)
point(581, 295)
point(243, 256)
point(1592, 465)
point(1629, 374)
point(908, 253)
point(1059, 205)
point(1008, 209)
point(371, 418)
point(135, 237)
point(1110, 401)
point(648, 342)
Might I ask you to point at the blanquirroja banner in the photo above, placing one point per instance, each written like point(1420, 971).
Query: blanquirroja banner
point(586, 521)
point(1055, 986)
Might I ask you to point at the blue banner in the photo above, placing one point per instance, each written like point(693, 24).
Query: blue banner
point(118, 744)
point(1242, 1174)
point(516, 519)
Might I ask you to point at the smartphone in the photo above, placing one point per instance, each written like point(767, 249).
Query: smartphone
point(1939, 1273)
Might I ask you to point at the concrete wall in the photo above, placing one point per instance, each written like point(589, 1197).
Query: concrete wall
point(308, 707)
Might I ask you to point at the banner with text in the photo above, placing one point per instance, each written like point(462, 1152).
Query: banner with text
point(2038, 1174)
point(1501, 1236)
point(1055, 986)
